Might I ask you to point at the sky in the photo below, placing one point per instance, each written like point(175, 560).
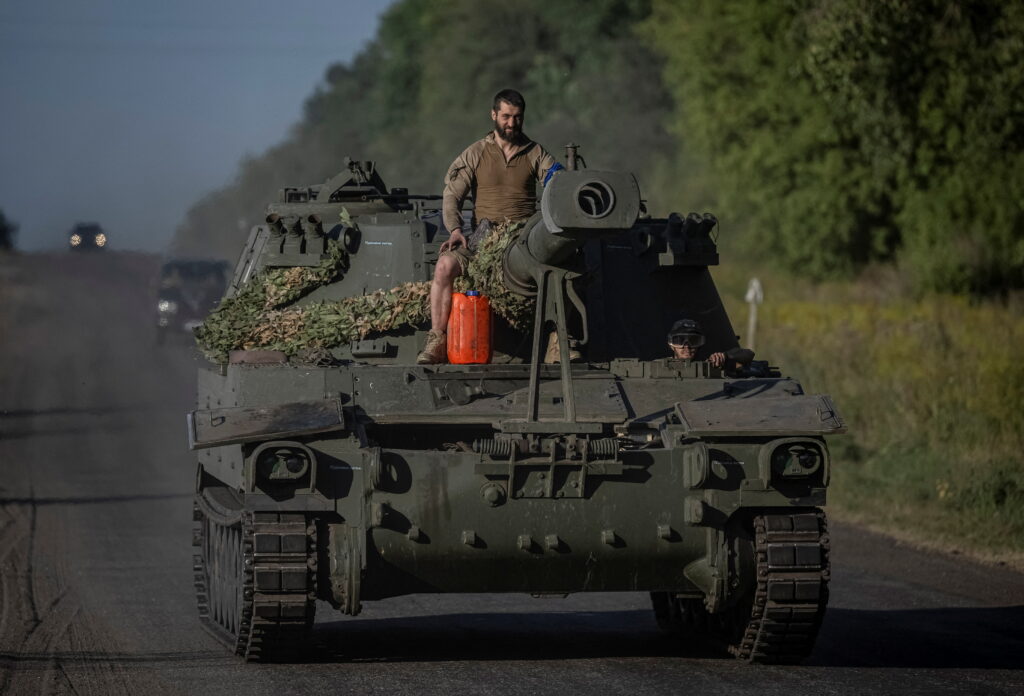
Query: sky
point(126, 112)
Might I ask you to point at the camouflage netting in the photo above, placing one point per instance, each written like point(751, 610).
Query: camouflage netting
point(257, 317)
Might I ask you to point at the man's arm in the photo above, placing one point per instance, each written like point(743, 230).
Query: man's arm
point(543, 165)
point(458, 182)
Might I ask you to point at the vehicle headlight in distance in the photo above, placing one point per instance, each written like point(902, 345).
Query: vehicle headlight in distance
point(101, 239)
point(75, 240)
point(167, 306)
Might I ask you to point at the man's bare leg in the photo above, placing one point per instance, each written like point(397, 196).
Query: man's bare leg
point(445, 273)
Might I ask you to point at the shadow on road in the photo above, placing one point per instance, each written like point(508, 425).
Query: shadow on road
point(63, 411)
point(497, 636)
point(947, 638)
point(961, 637)
point(94, 500)
point(944, 639)
point(26, 424)
point(43, 661)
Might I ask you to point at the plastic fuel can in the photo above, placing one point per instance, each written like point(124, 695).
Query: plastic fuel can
point(469, 329)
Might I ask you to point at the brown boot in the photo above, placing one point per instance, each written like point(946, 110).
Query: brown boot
point(551, 355)
point(436, 350)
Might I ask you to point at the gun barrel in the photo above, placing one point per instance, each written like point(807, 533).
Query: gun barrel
point(576, 206)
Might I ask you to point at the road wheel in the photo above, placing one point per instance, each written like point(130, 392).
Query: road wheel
point(219, 574)
point(777, 619)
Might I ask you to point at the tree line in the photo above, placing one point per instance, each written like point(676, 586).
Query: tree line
point(828, 135)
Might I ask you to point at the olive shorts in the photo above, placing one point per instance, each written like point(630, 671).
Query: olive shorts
point(460, 254)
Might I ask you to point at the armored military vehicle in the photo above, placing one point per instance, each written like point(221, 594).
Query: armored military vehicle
point(357, 475)
point(87, 236)
point(188, 290)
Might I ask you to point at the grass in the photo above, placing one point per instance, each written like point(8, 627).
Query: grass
point(931, 388)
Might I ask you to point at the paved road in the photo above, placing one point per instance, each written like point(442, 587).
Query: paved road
point(95, 579)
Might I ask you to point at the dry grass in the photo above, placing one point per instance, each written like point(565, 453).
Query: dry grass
point(932, 389)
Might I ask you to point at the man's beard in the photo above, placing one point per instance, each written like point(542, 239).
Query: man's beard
point(510, 135)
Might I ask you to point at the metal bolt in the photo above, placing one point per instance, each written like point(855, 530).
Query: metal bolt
point(524, 542)
point(493, 494)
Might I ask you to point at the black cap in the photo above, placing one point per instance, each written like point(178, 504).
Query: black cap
point(686, 332)
point(686, 326)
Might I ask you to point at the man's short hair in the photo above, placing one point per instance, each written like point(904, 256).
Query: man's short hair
point(509, 96)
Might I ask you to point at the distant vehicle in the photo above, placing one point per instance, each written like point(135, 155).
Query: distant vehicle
point(87, 236)
point(189, 290)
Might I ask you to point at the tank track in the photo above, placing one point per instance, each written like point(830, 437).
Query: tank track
point(780, 621)
point(255, 579)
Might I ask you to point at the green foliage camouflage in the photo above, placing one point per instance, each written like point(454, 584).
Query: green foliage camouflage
point(232, 324)
point(484, 273)
point(257, 317)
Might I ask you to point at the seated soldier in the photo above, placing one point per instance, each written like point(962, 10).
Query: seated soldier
point(686, 336)
point(501, 172)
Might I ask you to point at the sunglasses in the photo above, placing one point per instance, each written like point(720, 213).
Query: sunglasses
point(686, 339)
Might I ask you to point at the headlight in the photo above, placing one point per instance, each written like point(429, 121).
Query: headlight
point(167, 306)
point(75, 240)
point(282, 464)
point(281, 468)
point(101, 239)
point(796, 459)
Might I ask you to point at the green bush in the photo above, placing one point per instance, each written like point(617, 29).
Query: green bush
point(852, 132)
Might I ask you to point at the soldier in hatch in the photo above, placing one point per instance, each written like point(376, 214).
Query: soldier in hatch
point(501, 171)
point(686, 336)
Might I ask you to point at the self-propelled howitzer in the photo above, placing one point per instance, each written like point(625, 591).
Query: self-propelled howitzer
point(351, 474)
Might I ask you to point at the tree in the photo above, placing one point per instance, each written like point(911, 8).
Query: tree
point(8, 231)
point(859, 131)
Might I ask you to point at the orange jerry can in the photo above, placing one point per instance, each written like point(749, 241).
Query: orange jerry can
point(469, 329)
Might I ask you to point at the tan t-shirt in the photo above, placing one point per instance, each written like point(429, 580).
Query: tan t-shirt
point(502, 189)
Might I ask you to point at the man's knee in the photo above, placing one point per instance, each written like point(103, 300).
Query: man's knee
point(447, 269)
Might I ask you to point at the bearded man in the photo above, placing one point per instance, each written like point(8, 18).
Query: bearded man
point(500, 171)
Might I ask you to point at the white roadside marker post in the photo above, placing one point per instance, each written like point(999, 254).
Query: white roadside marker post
point(755, 296)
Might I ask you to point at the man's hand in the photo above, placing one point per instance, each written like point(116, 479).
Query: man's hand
point(717, 359)
point(456, 240)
